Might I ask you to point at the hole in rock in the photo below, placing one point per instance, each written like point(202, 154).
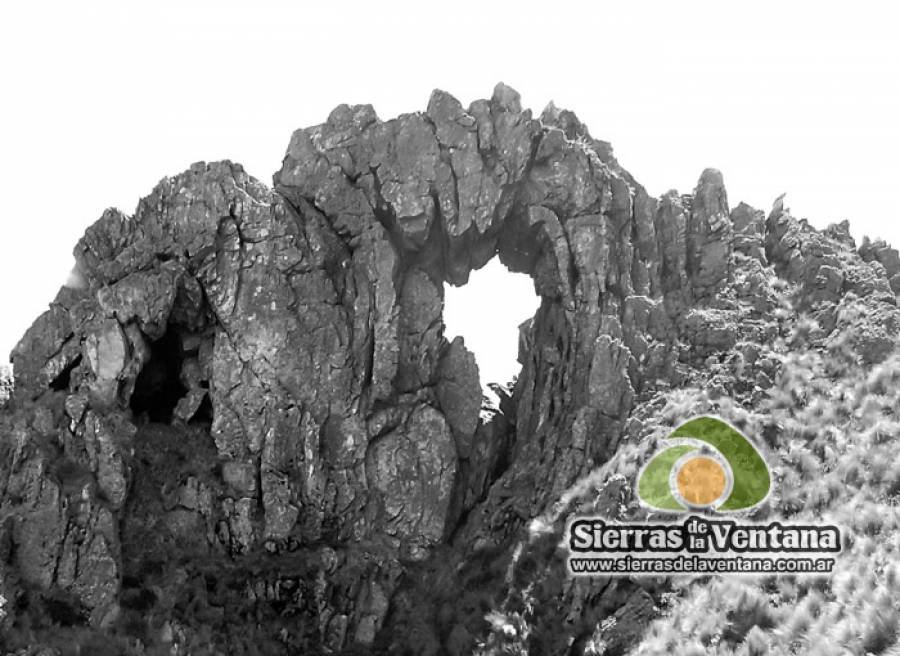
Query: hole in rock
point(158, 387)
point(204, 414)
point(62, 381)
point(487, 312)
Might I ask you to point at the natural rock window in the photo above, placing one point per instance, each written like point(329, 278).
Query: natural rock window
point(487, 313)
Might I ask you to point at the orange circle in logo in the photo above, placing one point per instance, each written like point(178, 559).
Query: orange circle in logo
point(701, 481)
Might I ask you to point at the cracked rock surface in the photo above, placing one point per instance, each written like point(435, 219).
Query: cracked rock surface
point(247, 433)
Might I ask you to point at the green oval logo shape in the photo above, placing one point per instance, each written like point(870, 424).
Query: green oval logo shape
point(712, 465)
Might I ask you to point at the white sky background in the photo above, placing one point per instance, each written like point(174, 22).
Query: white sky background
point(99, 102)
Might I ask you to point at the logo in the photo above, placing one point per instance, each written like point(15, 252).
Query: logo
point(705, 469)
point(710, 464)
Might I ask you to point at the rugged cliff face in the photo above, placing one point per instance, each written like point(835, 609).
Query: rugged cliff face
point(246, 432)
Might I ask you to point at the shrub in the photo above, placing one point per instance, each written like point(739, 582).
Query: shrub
point(880, 629)
point(751, 611)
point(756, 643)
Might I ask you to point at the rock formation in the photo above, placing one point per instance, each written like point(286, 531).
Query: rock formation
point(247, 433)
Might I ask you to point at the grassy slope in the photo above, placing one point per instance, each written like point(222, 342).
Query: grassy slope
point(836, 460)
point(828, 424)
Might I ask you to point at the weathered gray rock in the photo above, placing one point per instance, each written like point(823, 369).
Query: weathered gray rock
point(411, 472)
point(879, 251)
point(749, 227)
point(247, 426)
point(459, 393)
point(709, 236)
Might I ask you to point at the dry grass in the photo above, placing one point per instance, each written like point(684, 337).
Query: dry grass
point(836, 459)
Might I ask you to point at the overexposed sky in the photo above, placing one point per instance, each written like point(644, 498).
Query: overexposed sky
point(102, 99)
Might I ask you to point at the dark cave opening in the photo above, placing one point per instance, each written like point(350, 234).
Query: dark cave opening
point(204, 414)
point(62, 381)
point(488, 312)
point(158, 387)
